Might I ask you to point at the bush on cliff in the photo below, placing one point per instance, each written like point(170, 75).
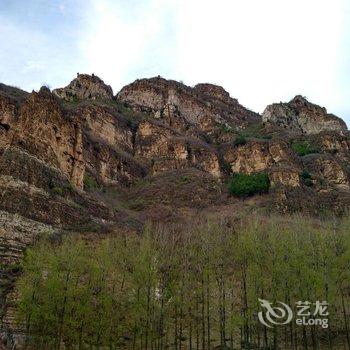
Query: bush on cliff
point(240, 140)
point(89, 182)
point(245, 185)
point(302, 148)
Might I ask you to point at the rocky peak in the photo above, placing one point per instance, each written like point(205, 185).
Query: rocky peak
point(206, 106)
point(44, 90)
point(83, 87)
point(214, 91)
point(300, 115)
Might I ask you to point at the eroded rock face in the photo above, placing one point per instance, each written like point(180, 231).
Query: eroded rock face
point(165, 149)
point(16, 233)
point(333, 142)
point(215, 92)
point(258, 155)
point(103, 125)
point(85, 87)
point(110, 165)
point(205, 106)
point(299, 115)
point(286, 176)
point(45, 131)
point(8, 119)
point(331, 171)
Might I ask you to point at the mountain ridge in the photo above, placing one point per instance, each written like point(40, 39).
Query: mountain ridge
point(81, 159)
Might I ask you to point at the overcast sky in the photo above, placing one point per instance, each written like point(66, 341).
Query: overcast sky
point(261, 51)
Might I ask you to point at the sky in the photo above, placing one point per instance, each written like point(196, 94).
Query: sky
point(260, 51)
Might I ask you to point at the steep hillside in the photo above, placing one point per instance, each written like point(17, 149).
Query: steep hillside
point(80, 159)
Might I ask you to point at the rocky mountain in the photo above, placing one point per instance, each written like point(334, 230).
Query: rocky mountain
point(85, 87)
point(300, 115)
point(79, 159)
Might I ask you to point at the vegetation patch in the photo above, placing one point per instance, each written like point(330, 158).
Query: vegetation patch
point(245, 185)
point(303, 148)
point(89, 182)
point(89, 227)
point(138, 204)
point(155, 287)
point(240, 140)
point(306, 178)
point(58, 190)
point(254, 131)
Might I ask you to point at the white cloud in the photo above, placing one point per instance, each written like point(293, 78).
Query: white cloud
point(62, 8)
point(33, 66)
point(121, 41)
point(260, 51)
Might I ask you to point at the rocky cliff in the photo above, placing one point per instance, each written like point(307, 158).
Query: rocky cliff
point(80, 159)
point(300, 115)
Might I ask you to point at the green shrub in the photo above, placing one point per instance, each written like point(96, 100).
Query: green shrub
point(227, 128)
point(89, 182)
point(244, 185)
point(240, 140)
point(184, 179)
point(307, 179)
point(302, 148)
point(137, 204)
point(90, 227)
point(70, 187)
point(253, 131)
point(58, 190)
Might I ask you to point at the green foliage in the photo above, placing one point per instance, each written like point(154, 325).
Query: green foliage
point(239, 140)
point(70, 187)
point(226, 128)
point(73, 103)
point(303, 148)
point(58, 190)
point(184, 179)
point(254, 131)
point(89, 227)
point(251, 131)
point(198, 288)
point(137, 204)
point(89, 182)
point(307, 178)
point(244, 185)
point(13, 267)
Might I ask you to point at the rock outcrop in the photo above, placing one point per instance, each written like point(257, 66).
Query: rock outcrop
point(43, 129)
point(206, 106)
point(85, 87)
point(258, 155)
point(300, 115)
point(164, 149)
